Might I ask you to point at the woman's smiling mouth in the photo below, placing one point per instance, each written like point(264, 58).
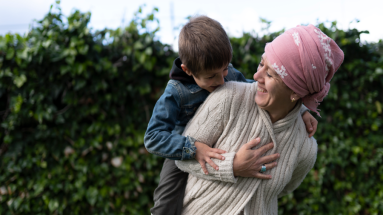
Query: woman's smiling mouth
point(261, 90)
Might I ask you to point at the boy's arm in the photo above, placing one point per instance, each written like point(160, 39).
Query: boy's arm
point(310, 122)
point(159, 138)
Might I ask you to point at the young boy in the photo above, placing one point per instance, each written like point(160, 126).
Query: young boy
point(204, 64)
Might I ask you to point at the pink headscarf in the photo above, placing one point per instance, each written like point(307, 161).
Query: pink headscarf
point(306, 60)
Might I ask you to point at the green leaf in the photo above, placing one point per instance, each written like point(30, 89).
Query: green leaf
point(91, 195)
point(20, 80)
point(53, 205)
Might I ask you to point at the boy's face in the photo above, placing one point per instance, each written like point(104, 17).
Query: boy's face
point(209, 80)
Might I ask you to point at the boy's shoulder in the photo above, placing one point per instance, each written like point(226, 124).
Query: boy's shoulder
point(182, 87)
point(235, 75)
point(186, 94)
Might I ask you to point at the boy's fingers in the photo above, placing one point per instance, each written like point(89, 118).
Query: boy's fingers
point(212, 164)
point(204, 167)
point(309, 127)
point(216, 155)
point(220, 151)
point(314, 129)
point(253, 143)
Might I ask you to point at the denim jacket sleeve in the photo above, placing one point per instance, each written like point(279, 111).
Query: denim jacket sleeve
point(160, 139)
point(237, 75)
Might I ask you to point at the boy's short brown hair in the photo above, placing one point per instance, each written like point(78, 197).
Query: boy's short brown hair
point(203, 45)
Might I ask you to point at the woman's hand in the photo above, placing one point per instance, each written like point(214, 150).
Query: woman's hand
point(204, 154)
point(248, 162)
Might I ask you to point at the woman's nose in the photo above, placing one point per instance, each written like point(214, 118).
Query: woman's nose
point(258, 76)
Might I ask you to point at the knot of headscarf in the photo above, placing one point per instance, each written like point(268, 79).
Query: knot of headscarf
point(306, 60)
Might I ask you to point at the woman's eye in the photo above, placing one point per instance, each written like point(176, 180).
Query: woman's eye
point(268, 75)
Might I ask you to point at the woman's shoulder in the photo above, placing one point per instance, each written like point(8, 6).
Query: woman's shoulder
point(236, 90)
point(309, 149)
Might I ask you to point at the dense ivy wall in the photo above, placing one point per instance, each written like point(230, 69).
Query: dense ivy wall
point(74, 105)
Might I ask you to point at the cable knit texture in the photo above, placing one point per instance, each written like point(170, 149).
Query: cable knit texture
point(228, 119)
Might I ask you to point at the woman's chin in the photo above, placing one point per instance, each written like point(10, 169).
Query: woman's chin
point(261, 103)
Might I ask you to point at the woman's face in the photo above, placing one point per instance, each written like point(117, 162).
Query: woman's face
point(272, 94)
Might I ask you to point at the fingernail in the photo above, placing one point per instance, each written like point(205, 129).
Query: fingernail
point(257, 139)
point(216, 168)
point(278, 155)
point(311, 129)
point(223, 158)
point(205, 173)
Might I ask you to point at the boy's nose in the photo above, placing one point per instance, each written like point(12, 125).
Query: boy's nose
point(221, 80)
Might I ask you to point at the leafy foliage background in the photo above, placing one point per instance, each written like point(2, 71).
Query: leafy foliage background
point(75, 103)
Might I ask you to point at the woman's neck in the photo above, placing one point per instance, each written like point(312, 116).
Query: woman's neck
point(281, 113)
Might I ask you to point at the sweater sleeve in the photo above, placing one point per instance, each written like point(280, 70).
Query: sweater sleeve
point(308, 156)
point(206, 127)
point(303, 109)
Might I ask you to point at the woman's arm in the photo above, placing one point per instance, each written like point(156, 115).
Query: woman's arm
point(308, 155)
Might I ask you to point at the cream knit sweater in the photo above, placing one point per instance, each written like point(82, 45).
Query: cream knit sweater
point(228, 119)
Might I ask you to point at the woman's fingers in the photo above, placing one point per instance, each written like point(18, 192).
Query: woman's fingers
point(202, 163)
point(268, 166)
point(252, 143)
point(262, 176)
point(265, 148)
point(212, 164)
point(268, 158)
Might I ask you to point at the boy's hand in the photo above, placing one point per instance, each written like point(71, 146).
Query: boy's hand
point(310, 122)
point(204, 153)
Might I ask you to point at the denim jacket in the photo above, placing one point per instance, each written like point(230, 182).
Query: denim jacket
point(172, 112)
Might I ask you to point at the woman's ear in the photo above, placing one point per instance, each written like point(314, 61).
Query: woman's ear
point(186, 70)
point(294, 97)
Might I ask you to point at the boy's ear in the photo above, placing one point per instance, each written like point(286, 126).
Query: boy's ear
point(185, 69)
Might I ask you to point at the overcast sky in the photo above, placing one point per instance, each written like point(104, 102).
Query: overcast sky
point(236, 16)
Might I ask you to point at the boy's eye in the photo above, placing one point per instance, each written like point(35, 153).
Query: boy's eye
point(211, 77)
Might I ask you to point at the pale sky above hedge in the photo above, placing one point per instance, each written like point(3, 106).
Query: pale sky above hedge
point(236, 16)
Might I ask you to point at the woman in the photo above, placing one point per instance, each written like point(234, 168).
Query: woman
point(296, 67)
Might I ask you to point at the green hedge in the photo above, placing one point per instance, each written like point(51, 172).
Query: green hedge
point(75, 103)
